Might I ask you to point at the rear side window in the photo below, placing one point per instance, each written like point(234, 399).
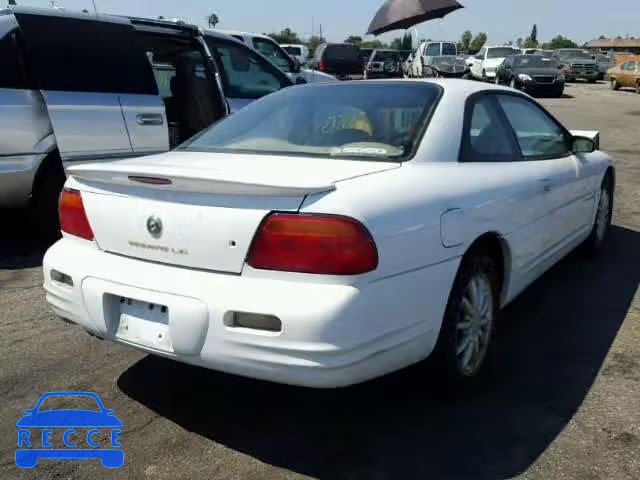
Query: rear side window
point(449, 49)
point(84, 55)
point(342, 52)
point(433, 50)
point(538, 135)
point(487, 138)
point(273, 52)
point(11, 73)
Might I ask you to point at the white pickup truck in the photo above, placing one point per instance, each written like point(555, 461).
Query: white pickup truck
point(484, 64)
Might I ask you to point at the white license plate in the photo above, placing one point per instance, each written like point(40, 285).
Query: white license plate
point(144, 324)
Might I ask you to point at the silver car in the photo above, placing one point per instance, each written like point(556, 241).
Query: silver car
point(76, 87)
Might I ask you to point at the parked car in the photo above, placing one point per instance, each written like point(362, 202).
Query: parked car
point(130, 87)
point(383, 63)
point(578, 64)
point(625, 75)
point(342, 60)
point(485, 63)
point(297, 52)
point(604, 63)
point(268, 47)
point(427, 50)
point(246, 74)
point(280, 243)
point(534, 74)
point(446, 66)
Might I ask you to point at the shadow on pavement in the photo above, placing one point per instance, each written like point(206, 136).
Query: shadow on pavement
point(20, 246)
point(553, 343)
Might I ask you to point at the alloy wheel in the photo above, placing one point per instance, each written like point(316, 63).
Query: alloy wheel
point(474, 324)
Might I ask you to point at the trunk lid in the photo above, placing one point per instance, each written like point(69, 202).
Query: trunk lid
point(207, 216)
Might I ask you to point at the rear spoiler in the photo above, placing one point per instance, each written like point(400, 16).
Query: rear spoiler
point(167, 178)
point(592, 135)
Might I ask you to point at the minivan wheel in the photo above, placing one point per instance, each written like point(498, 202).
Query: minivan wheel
point(604, 214)
point(464, 346)
point(48, 184)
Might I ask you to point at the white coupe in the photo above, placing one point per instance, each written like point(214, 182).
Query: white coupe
point(331, 233)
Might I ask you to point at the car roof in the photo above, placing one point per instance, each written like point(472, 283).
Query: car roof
point(239, 32)
point(222, 36)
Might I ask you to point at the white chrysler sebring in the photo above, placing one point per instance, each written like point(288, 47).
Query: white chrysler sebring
point(331, 233)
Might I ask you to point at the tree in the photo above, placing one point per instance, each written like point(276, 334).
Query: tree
point(373, 44)
point(602, 37)
point(529, 43)
point(313, 43)
point(213, 20)
point(465, 42)
point(534, 34)
point(12, 3)
point(519, 43)
point(407, 41)
point(559, 42)
point(397, 43)
point(478, 42)
point(354, 40)
point(285, 36)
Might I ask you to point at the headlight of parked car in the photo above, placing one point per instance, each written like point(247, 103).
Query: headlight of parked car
point(524, 77)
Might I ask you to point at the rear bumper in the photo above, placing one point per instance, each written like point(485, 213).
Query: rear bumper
point(332, 335)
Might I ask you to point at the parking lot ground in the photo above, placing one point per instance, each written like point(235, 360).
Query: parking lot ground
point(562, 403)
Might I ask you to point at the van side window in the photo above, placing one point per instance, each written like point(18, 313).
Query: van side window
point(84, 55)
point(245, 74)
point(433, 50)
point(274, 54)
point(11, 73)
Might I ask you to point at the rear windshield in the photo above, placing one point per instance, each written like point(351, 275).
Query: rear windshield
point(373, 121)
point(500, 52)
point(449, 49)
point(293, 50)
point(342, 52)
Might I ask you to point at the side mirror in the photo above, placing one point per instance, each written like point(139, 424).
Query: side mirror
point(301, 81)
point(582, 145)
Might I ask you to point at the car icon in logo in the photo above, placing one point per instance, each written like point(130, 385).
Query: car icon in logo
point(154, 226)
point(98, 430)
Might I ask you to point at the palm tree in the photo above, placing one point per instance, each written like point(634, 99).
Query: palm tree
point(213, 20)
point(12, 3)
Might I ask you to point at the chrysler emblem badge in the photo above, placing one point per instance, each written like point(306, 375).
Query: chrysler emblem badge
point(154, 226)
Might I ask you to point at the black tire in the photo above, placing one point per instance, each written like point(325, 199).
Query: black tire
point(48, 184)
point(613, 84)
point(445, 359)
point(592, 80)
point(596, 240)
point(558, 93)
point(638, 87)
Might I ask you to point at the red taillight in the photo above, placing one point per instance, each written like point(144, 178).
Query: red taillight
point(321, 244)
point(322, 67)
point(73, 218)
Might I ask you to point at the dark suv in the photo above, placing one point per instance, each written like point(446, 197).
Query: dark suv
point(342, 60)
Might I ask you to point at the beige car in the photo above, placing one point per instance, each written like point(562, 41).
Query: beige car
point(626, 74)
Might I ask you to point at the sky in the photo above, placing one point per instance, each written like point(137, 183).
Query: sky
point(502, 20)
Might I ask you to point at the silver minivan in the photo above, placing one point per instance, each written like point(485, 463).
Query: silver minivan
point(76, 87)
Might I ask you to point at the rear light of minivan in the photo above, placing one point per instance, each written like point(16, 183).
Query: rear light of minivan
point(319, 244)
point(73, 218)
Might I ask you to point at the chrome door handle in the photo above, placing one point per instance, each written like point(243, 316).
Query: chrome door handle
point(149, 119)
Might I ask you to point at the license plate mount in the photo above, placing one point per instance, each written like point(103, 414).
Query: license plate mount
point(145, 324)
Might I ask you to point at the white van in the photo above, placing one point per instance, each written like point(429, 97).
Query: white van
point(268, 47)
point(299, 52)
point(430, 49)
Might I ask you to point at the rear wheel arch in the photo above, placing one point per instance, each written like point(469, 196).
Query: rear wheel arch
point(495, 247)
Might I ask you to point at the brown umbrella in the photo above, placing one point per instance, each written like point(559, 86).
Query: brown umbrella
point(403, 14)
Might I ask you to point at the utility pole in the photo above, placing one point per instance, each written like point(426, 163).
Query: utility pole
point(321, 32)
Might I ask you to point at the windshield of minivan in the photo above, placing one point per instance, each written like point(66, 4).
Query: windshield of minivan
point(364, 120)
point(500, 52)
